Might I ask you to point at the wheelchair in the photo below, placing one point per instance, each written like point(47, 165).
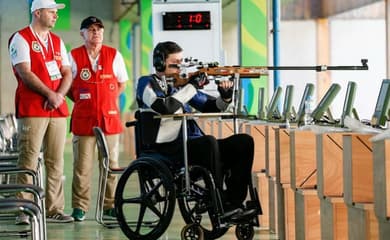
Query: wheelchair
point(147, 191)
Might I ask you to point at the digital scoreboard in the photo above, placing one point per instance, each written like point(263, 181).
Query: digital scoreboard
point(196, 20)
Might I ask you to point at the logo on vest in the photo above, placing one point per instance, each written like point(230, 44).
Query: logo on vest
point(85, 74)
point(112, 86)
point(36, 47)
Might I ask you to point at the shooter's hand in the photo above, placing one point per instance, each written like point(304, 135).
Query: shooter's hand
point(225, 89)
point(199, 80)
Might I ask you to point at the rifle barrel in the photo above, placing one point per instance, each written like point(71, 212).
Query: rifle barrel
point(320, 68)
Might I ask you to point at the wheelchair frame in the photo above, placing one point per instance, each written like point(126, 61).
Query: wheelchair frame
point(181, 184)
point(192, 216)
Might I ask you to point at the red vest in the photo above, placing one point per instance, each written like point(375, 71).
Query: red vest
point(29, 103)
point(95, 94)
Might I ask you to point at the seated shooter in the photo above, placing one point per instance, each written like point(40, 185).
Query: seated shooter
point(229, 159)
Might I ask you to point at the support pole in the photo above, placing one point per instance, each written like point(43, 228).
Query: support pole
point(276, 50)
point(387, 19)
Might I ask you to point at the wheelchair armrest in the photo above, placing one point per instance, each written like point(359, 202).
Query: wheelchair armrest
point(131, 123)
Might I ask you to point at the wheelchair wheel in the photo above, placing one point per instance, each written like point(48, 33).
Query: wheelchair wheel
point(145, 199)
point(192, 231)
point(200, 205)
point(245, 232)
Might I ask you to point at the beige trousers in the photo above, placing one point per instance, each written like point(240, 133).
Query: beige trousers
point(48, 134)
point(83, 160)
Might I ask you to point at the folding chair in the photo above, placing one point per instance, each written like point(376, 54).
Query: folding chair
point(34, 209)
point(105, 171)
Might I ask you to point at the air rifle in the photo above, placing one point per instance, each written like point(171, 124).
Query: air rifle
point(213, 69)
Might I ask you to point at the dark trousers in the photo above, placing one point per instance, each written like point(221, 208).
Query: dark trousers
point(229, 160)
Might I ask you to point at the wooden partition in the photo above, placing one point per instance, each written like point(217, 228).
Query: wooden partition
point(285, 195)
point(307, 215)
point(381, 151)
point(258, 132)
point(289, 213)
point(261, 183)
point(225, 128)
point(270, 165)
point(362, 222)
point(270, 160)
point(303, 183)
point(207, 125)
point(358, 186)
point(282, 155)
point(303, 160)
point(334, 218)
point(330, 164)
point(334, 214)
point(358, 168)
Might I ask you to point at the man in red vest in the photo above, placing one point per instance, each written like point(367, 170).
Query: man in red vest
point(42, 69)
point(99, 76)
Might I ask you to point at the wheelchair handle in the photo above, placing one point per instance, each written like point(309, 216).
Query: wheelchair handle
point(130, 124)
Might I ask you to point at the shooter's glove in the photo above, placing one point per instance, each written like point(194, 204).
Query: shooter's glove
point(225, 91)
point(199, 80)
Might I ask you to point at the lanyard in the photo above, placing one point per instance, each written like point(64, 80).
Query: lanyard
point(39, 41)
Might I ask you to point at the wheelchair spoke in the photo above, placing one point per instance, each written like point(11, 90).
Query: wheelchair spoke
point(140, 218)
point(154, 189)
point(145, 199)
point(132, 200)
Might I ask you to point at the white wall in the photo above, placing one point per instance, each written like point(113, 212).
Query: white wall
point(297, 48)
point(352, 40)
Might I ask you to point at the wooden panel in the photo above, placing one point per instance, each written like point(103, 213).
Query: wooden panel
point(205, 125)
point(284, 154)
point(307, 215)
point(362, 169)
point(225, 128)
point(312, 217)
point(289, 213)
point(340, 220)
point(303, 159)
point(258, 134)
point(273, 206)
point(334, 219)
point(261, 183)
point(381, 151)
point(362, 223)
point(270, 161)
point(332, 165)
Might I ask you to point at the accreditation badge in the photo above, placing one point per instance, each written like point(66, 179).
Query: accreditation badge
point(85, 74)
point(54, 71)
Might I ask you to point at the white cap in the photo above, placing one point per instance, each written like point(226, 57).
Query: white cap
point(38, 4)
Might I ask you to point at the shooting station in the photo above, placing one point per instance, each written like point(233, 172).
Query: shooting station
point(310, 85)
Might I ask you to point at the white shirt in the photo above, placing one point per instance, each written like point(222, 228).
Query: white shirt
point(19, 51)
point(118, 66)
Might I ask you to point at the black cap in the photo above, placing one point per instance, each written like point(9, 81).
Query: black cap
point(86, 23)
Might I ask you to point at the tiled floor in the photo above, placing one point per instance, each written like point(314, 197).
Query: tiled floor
point(90, 229)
